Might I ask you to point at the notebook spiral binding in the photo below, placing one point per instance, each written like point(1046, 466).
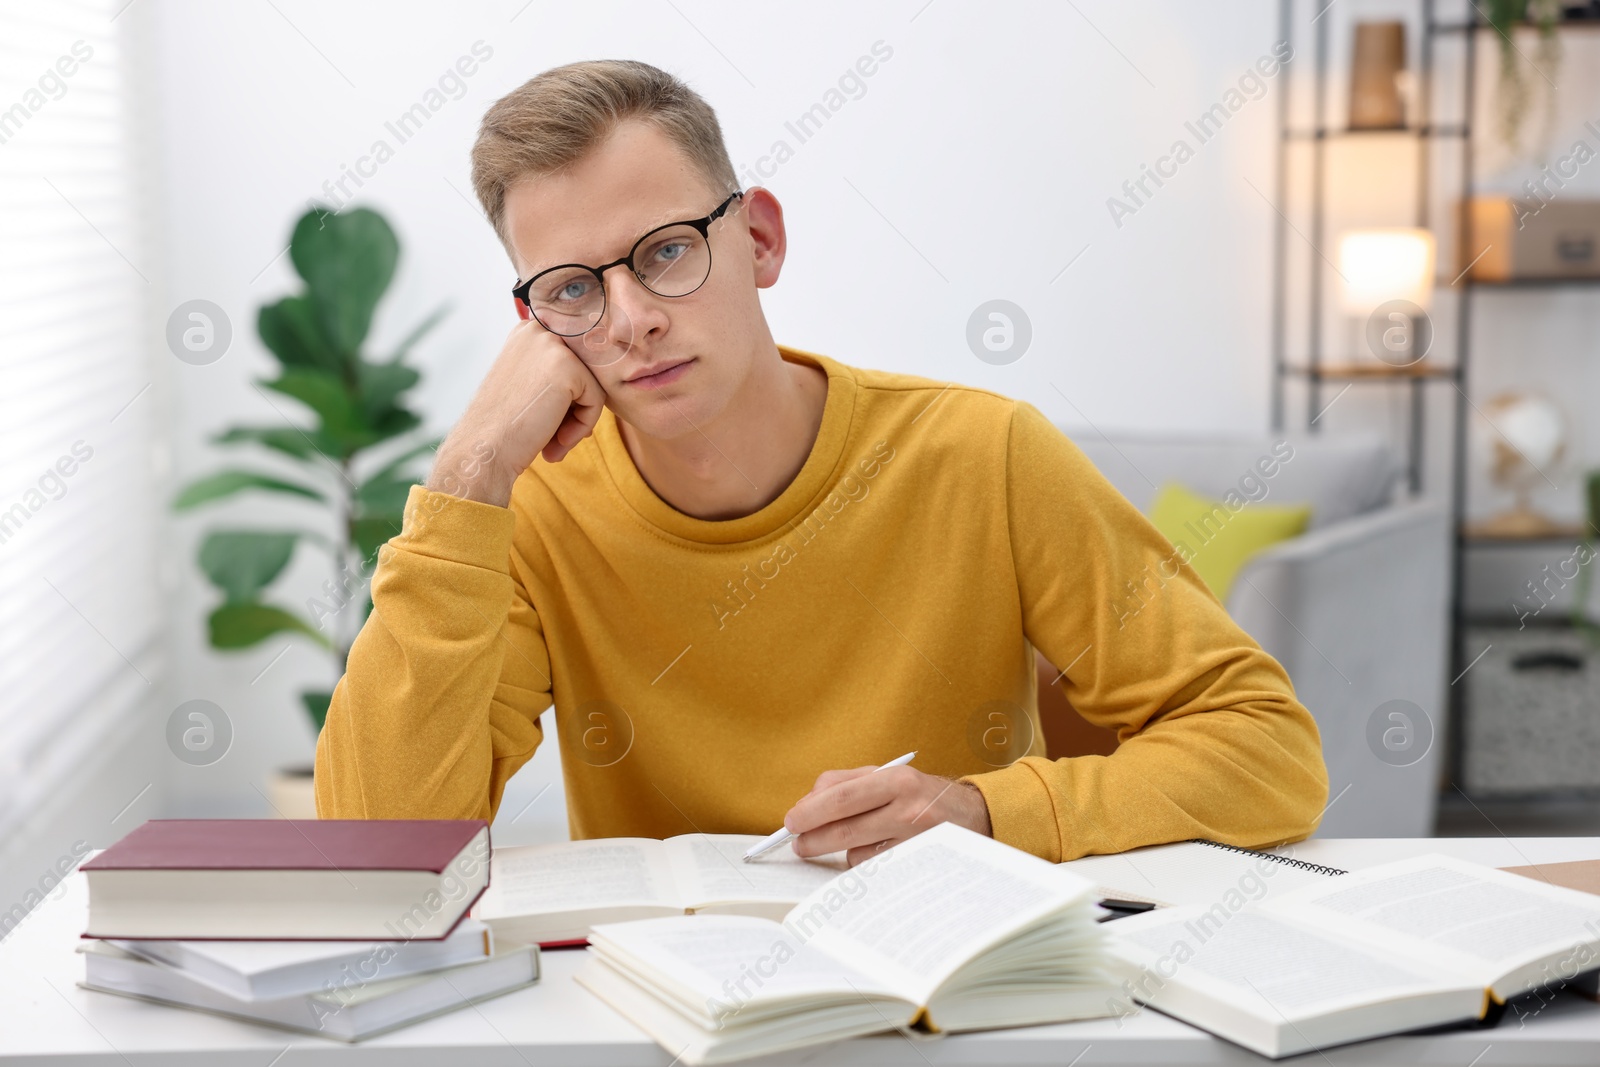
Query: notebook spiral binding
point(1304, 865)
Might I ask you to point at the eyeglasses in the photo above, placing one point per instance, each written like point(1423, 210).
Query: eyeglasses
point(671, 260)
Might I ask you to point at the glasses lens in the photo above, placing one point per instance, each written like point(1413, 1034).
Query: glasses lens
point(674, 261)
point(567, 301)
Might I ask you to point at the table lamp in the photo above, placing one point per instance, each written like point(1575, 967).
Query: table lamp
point(1387, 279)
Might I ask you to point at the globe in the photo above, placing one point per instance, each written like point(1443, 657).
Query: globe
point(1527, 438)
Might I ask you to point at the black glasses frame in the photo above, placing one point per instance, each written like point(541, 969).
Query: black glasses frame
point(701, 224)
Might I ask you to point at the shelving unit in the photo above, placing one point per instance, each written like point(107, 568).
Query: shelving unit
point(1314, 367)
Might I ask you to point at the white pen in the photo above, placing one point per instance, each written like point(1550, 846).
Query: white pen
point(782, 834)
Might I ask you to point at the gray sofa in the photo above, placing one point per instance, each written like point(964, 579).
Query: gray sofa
point(1355, 609)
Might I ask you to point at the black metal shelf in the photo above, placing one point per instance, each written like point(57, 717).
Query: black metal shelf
point(1316, 371)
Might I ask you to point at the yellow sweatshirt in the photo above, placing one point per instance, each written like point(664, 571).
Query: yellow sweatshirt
point(703, 673)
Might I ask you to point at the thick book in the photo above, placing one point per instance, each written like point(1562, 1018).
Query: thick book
point(553, 894)
point(271, 970)
point(1423, 942)
point(948, 931)
point(348, 1013)
point(298, 879)
point(1197, 872)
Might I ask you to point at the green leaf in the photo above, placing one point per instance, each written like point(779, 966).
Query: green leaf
point(371, 531)
point(1592, 500)
point(303, 445)
point(395, 422)
point(290, 330)
point(347, 260)
point(381, 386)
point(326, 395)
point(243, 562)
point(317, 707)
point(384, 493)
point(419, 332)
point(227, 483)
point(242, 625)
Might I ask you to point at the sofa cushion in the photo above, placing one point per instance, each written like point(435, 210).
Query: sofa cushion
point(1217, 540)
point(1339, 477)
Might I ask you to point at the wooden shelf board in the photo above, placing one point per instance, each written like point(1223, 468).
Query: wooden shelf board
point(1529, 283)
point(1556, 531)
point(1372, 371)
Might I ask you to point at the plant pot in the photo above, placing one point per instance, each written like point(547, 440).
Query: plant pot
point(291, 792)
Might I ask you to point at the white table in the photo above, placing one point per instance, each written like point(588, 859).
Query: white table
point(46, 1019)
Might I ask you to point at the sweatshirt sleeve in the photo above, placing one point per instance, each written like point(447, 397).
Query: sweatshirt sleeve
point(440, 701)
point(1213, 743)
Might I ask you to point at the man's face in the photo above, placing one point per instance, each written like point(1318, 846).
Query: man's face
point(701, 346)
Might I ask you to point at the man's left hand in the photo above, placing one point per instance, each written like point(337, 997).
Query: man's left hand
point(863, 811)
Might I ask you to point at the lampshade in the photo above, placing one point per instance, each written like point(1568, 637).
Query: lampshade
point(1382, 265)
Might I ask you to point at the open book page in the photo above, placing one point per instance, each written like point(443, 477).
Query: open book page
point(578, 875)
point(1188, 872)
point(1270, 966)
point(919, 911)
point(711, 870)
point(724, 969)
point(1477, 921)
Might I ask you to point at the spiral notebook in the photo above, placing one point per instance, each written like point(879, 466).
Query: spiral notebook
point(1197, 872)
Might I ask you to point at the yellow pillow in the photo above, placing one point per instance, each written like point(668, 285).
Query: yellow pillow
point(1217, 537)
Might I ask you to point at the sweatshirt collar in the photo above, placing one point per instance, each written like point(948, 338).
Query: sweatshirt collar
point(816, 478)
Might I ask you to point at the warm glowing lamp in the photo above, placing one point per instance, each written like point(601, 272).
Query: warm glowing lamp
point(1378, 266)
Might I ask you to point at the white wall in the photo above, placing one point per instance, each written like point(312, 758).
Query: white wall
point(983, 150)
point(976, 164)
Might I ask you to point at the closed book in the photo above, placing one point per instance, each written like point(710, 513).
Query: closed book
point(345, 1014)
point(270, 970)
point(295, 879)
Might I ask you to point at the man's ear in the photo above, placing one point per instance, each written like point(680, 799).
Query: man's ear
point(522, 309)
point(769, 240)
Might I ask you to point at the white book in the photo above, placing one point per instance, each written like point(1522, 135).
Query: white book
point(1422, 942)
point(346, 1015)
point(269, 970)
point(948, 931)
point(557, 892)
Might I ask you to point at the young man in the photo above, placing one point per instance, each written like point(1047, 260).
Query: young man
point(745, 575)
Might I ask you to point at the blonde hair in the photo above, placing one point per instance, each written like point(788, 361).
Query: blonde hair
point(550, 121)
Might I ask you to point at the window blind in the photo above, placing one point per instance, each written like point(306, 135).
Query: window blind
point(79, 606)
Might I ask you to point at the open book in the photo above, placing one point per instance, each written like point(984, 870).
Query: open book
point(948, 931)
point(1402, 946)
point(555, 893)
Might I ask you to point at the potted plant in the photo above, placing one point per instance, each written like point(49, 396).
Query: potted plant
point(1515, 92)
point(353, 458)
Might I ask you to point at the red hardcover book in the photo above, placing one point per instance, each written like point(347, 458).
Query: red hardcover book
point(288, 879)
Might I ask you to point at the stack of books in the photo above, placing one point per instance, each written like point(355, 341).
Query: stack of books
point(340, 927)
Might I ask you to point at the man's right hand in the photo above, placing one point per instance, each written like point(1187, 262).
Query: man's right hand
point(538, 399)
